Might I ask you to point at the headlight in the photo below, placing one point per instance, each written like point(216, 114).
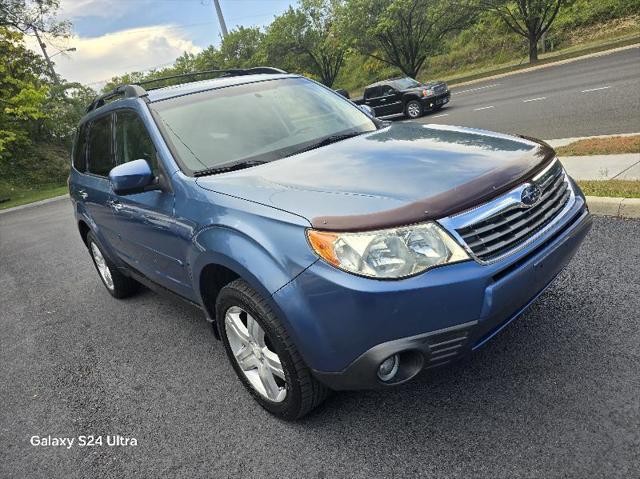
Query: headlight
point(390, 253)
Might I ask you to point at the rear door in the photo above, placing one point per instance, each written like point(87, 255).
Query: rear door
point(94, 188)
point(372, 98)
point(144, 222)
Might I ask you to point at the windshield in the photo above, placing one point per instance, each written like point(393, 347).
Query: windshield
point(255, 122)
point(406, 83)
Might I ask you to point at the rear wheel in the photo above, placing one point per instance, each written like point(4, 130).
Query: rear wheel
point(413, 109)
point(118, 285)
point(262, 354)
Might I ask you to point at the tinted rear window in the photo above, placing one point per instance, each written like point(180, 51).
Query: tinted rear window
point(99, 156)
point(80, 149)
point(373, 92)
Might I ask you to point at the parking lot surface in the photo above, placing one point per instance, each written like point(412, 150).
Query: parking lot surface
point(557, 394)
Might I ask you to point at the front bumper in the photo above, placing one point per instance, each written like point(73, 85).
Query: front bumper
point(435, 101)
point(345, 325)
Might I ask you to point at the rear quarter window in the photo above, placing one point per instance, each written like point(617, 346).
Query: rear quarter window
point(80, 149)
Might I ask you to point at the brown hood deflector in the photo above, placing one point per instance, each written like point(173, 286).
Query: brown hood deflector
point(468, 195)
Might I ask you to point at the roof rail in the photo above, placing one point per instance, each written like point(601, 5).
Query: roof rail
point(228, 72)
point(126, 91)
point(135, 90)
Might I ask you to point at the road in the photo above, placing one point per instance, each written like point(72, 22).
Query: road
point(557, 394)
point(593, 96)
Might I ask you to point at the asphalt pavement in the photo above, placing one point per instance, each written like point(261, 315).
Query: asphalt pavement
point(557, 394)
point(592, 96)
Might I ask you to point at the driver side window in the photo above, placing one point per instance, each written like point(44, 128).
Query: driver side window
point(133, 141)
point(387, 90)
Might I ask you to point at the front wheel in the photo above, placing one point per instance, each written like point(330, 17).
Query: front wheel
point(263, 355)
point(413, 109)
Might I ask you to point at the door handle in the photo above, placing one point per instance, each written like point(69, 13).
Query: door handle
point(115, 204)
point(83, 194)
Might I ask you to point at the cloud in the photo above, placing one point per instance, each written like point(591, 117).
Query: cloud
point(97, 59)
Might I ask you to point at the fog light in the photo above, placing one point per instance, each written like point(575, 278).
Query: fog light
point(389, 368)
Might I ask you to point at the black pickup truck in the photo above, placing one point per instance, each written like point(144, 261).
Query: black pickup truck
point(404, 96)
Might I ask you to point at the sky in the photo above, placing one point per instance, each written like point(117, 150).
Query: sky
point(113, 37)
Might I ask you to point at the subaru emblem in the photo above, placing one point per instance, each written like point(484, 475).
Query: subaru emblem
point(530, 195)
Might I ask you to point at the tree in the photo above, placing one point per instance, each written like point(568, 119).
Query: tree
point(403, 33)
point(529, 18)
point(240, 48)
point(22, 94)
point(307, 38)
point(37, 18)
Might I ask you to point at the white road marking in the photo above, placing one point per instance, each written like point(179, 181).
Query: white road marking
point(595, 89)
point(438, 116)
point(535, 99)
point(479, 88)
point(484, 108)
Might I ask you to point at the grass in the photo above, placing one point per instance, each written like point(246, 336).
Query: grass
point(612, 188)
point(601, 146)
point(564, 54)
point(22, 196)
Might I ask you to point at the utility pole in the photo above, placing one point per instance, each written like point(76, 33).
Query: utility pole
point(223, 26)
point(52, 72)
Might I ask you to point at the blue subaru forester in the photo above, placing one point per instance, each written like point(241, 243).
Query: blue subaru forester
point(330, 250)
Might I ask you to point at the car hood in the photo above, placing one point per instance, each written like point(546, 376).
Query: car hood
point(429, 84)
point(401, 174)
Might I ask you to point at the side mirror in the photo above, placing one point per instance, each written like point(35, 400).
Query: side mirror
point(132, 177)
point(343, 92)
point(368, 110)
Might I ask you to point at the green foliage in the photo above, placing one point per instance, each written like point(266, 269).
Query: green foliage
point(22, 94)
point(307, 39)
point(37, 118)
point(403, 33)
point(578, 13)
point(241, 48)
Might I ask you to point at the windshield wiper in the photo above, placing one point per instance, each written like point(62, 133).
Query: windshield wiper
point(228, 167)
point(327, 140)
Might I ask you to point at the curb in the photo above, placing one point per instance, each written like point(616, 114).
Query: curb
point(616, 207)
point(35, 203)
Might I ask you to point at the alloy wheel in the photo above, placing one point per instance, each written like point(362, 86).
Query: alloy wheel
point(254, 354)
point(102, 266)
point(414, 110)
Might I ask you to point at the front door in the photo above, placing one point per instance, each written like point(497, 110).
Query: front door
point(390, 101)
point(145, 222)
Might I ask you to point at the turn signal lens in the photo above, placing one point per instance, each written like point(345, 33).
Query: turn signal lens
point(322, 243)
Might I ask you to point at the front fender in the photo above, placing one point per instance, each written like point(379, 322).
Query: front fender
point(265, 265)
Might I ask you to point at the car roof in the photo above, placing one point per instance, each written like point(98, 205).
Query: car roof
point(385, 82)
point(165, 93)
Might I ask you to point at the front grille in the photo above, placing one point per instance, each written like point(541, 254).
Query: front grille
point(498, 234)
point(440, 88)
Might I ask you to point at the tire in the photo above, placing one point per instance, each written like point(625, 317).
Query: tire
point(118, 285)
point(413, 109)
point(273, 371)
